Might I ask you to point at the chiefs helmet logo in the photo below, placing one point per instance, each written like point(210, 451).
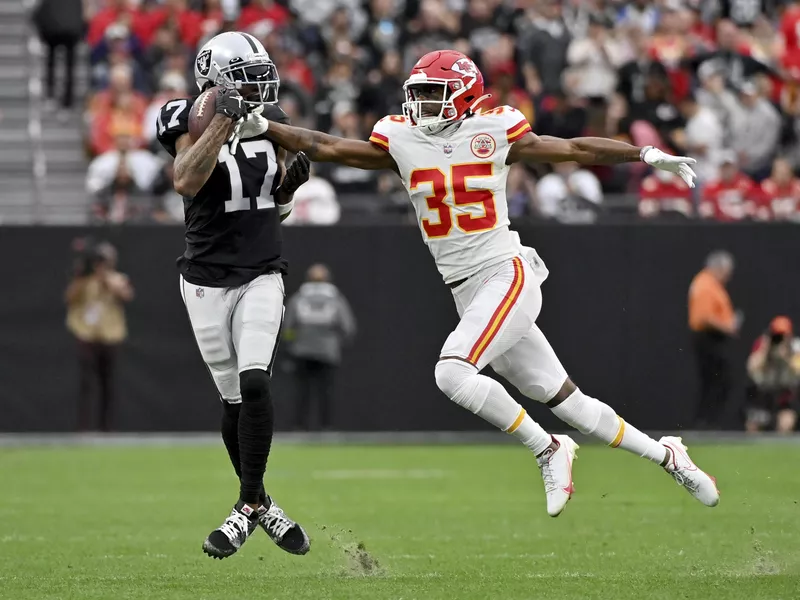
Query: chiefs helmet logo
point(464, 66)
point(483, 145)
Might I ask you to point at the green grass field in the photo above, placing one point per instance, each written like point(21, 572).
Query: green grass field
point(424, 523)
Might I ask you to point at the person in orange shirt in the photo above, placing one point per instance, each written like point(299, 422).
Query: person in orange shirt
point(713, 322)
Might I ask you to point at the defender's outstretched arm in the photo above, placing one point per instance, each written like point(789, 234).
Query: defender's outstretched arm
point(321, 147)
point(597, 151)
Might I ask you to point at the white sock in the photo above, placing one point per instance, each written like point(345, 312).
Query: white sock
point(529, 432)
point(631, 439)
point(489, 400)
point(592, 417)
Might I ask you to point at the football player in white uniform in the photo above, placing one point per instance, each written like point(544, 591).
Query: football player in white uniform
point(454, 161)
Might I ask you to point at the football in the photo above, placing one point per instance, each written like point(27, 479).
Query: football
point(202, 112)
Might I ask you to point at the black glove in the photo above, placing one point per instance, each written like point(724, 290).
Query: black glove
point(297, 174)
point(231, 104)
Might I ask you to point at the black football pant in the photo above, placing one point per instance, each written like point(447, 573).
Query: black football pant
point(96, 370)
point(314, 391)
point(714, 369)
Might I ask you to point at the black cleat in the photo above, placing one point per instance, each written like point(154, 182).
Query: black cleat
point(233, 533)
point(286, 534)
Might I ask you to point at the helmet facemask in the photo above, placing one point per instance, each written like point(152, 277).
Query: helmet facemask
point(430, 104)
point(256, 79)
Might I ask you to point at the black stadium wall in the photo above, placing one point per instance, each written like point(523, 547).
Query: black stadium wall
point(614, 309)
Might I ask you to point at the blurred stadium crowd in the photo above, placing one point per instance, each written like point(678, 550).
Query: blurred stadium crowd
point(715, 79)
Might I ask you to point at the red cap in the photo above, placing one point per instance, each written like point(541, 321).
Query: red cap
point(781, 325)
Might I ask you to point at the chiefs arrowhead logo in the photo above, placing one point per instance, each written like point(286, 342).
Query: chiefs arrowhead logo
point(464, 66)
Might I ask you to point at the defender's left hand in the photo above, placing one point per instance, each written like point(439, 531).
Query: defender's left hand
point(297, 174)
point(674, 164)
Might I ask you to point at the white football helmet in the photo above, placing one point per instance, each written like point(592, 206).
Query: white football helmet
point(238, 60)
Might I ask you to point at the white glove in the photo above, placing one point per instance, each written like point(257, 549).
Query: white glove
point(666, 162)
point(247, 127)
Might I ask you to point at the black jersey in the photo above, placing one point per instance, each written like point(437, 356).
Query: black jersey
point(233, 232)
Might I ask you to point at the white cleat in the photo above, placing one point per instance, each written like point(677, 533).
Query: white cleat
point(556, 468)
point(683, 470)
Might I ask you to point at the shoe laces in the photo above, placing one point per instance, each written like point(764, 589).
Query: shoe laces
point(235, 526)
point(276, 522)
point(547, 472)
point(687, 482)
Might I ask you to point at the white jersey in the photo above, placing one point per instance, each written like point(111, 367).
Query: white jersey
point(457, 183)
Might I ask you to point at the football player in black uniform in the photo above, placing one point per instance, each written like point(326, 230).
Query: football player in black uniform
point(236, 191)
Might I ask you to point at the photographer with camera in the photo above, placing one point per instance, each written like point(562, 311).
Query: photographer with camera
point(773, 368)
point(95, 301)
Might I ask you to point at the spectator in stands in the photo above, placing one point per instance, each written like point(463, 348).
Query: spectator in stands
point(120, 180)
point(260, 11)
point(95, 301)
point(714, 95)
point(314, 203)
point(504, 91)
point(543, 49)
point(382, 33)
point(478, 25)
point(780, 194)
point(713, 323)
point(562, 115)
point(732, 56)
point(703, 137)
point(632, 76)
point(731, 197)
point(346, 124)
point(60, 25)
point(672, 44)
point(118, 48)
point(773, 370)
point(664, 195)
point(569, 194)
point(434, 27)
point(639, 14)
point(166, 55)
point(743, 13)
point(594, 60)
point(756, 128)
point(317, 12)
point(124, 12)
point(763, 43)
point(125, 114)
point(338, 34)
point(382, 93)
point(521, 191)
point(657, 110)
point(318, 323)
point(339, 87)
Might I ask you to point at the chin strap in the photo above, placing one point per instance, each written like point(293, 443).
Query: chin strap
point(475, 104)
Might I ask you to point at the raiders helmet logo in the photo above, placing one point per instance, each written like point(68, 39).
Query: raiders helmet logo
point(203, 62)
point(483, 145)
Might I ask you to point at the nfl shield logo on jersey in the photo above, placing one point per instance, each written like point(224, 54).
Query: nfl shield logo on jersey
point(199, 292)
point(483, 145)
point(448, 149)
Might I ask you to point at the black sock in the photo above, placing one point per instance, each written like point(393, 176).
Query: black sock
point(230, 434)
point(255, 432)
